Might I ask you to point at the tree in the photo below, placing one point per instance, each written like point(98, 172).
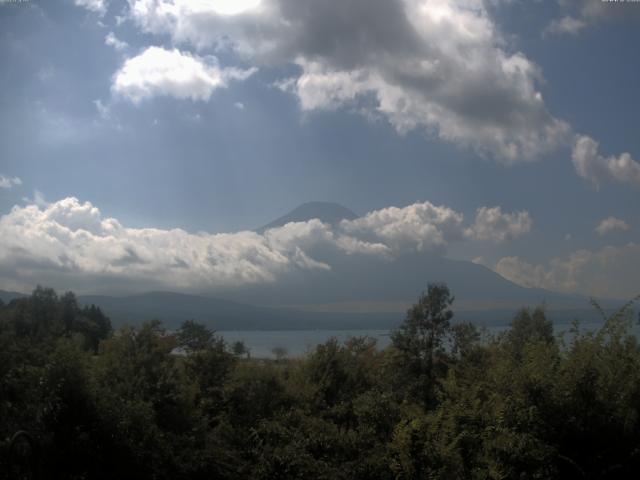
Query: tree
point(466, 338)
point(279, 352)
point(419, 342)
point(207, 363)
point(240, 349)
point(193, 336)
point(529, 328)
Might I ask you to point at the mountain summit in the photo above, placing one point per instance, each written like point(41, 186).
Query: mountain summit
point(326, 212)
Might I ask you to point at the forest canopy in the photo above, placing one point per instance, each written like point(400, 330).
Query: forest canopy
point(445, 400)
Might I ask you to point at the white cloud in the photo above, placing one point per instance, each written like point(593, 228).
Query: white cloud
point(566, 24)
point(351, 245)
point(612, 272)
point(157, 71)
point(592, 166)
point(9, 182)
point(421, 227)
point(103, 110)
point(577, 15)
point(71, 239)
point(97, 6)
point(492, 224)
point(69, 244)
point(611, 224)
point(38, 199)
point(114, 42)
point(480, 260)
point(526, 274)
point(440, 66)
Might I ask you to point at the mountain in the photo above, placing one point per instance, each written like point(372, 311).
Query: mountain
point(326, 212)
point(374, 285)
point(6, 297)
point(370, 284)
point(223, 315)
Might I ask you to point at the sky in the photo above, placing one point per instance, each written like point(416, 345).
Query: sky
point(142, 140)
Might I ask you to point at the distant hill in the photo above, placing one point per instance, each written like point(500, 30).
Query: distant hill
point(6, 297)
point(326, 212)
point(173, 308)
point(223, 315)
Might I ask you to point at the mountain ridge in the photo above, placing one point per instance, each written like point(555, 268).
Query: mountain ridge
point(326, 212)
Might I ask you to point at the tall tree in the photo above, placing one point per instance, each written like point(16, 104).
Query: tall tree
point(419, 342)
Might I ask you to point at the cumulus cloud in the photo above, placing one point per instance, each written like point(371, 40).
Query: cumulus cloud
point(440, 66)
point(422, 226)
point(592, 166)
point(580, 14)
point(97, 6)
point(493, 224)
point(71, 238)
point(611, 224)
point(157, 71)
point(568, 25)
point(71, 241)
point(9, 182)
point(115, 42)
point(612, 272)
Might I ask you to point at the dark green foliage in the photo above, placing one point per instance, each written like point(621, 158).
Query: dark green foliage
point(527, 329)
point(193, 336)
point(443, 402)
point(419, 344)
point(239, 349)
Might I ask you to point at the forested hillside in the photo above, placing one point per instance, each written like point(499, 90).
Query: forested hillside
point(445, 401)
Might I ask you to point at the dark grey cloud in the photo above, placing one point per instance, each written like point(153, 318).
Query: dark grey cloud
point(351, 33)
point(436, 65)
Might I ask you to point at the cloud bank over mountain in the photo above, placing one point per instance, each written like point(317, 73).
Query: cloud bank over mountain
point(70, 244)
point(611, 271)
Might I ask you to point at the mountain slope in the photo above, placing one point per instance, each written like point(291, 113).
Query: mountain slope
point(373, 284)
point(326, 212)
point(361, 279)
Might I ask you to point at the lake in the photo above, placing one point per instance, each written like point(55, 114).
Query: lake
point(297, 343)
